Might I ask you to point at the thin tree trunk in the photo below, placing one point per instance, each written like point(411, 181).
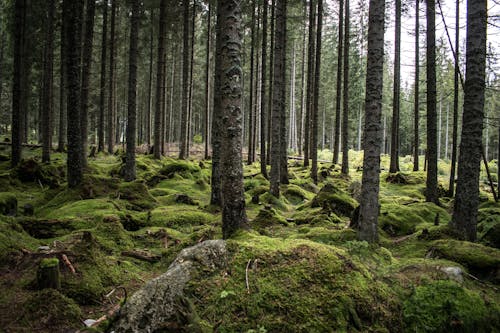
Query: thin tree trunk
point(185, 83)
point(394, 163)
point(251, 87)
point(446, 143)
point(190, 122)
point(129, 171)
point(317, 72)
point(454, 145)
point(17, 105)
point(207, 78)
point(345, 97)
point(86, 69)
point(302, 82)
point(111, 90)
point(47, 84)
point(465, 208)
point(338, 98)
point(159, 80)
point(431, 194)
point(150, 82)
point(72, 14)
point(102, 96)
point(263, 111)
point(310, 83)
point(416, 139)
point(369, 204)
point(271, 78)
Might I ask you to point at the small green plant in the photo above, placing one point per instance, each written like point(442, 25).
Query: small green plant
point(197, 138)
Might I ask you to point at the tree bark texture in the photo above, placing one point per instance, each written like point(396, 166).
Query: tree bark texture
point(372, 144)
point(102, 95)
point(263, 111)
point(47, 84)
point(338, 94)
point(185, 83)
point(394, 163)
point(464, 220)
point(111, 88)
point(310, 83)
point(345, 96)
point(317, 73)
point(159, 80)
point(229, 93)
point(416, 139)
point(456, 78)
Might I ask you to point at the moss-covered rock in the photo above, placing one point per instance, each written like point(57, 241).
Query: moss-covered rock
point(315, 216)
point(268, 217)
point(182, 168)
point(481, 260)
point(137, 196)
point(46, 228)
point(488, 227)
point(444, 306)
point(335, 200)
point(8, 204)
point(296, 195)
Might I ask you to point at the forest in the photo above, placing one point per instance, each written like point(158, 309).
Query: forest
point(249, 166)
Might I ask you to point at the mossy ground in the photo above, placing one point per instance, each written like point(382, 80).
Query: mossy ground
point(306, 272)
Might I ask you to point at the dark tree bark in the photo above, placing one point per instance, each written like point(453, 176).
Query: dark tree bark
point(300, 139)
point(431, 193)
point(185, 83)
point(129, 171)
point(150, 81)
point(189, 123)
point(394, 163)
point(263, 111)
point(47, 83)
point(310, 83)
point(464, 220)
point(317, 72)
point(17, 105)
point(454, 145)
point(338, 98)
point(86, 68)
point(416, 139)
point(271, 85)
point(111, 88)
point(72, 24)
point(102, 96)
point(372, 144)
point(229, 97)
point(279, 96)
point(159, 80)
point(215, 195)
point(345, 97)
point(207, 78)
point(251, 120)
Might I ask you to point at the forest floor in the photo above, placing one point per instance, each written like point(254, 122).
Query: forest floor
point(299, 269)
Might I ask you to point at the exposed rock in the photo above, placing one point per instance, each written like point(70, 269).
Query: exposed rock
point(156, 305)
point(454, 273)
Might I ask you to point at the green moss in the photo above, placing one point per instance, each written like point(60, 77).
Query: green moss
point(137, 196)
point(267, 217)
point(13, 238)
point(315, 217)
point(280, 203)
point(481, 260)
point(335, 200)
point(8, 204)
point(488, 227)
point(443, 306)
point(49, 310)
point(327, 236)
point(400, 220)
point(296, 195)
point(185, 169)
point(49, 262)
point(180, 216)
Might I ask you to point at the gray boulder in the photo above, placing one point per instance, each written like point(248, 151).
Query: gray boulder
point(155, 307)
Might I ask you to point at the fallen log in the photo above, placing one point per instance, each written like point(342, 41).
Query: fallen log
point(142, 255)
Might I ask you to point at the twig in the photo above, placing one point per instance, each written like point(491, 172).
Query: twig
point(246, 275)
point(68, 263)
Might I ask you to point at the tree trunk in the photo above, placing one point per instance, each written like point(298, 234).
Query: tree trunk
point(72, 14)
point(302, 83)
point(185, 83)
point(317, 72)
point(229, 100)
point(416, 139)
point(207, 79)
point(345, 97)
point(111, 87)
point(47, 84)
point(310, 83)
point(338, 98)
point(369, 205)
point(129, 171)
point(431, 194)
point(102, 96)
point(159, 80)
point(263, 111)
point(86, 68)
point(189, 122)
point(17, 84)
point(150, 81)
point(251, 119)
point(454, 145)
point(271, 85)
point(464, 219)
point(394, 164)
point(279, 97)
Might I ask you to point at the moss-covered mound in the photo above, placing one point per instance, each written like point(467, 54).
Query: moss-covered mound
point(8, 204)
point(136, 195)
point(335, 200)
point(267, 218)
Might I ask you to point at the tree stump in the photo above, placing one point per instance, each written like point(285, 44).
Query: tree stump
point(29, 210)
point(48, 274)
